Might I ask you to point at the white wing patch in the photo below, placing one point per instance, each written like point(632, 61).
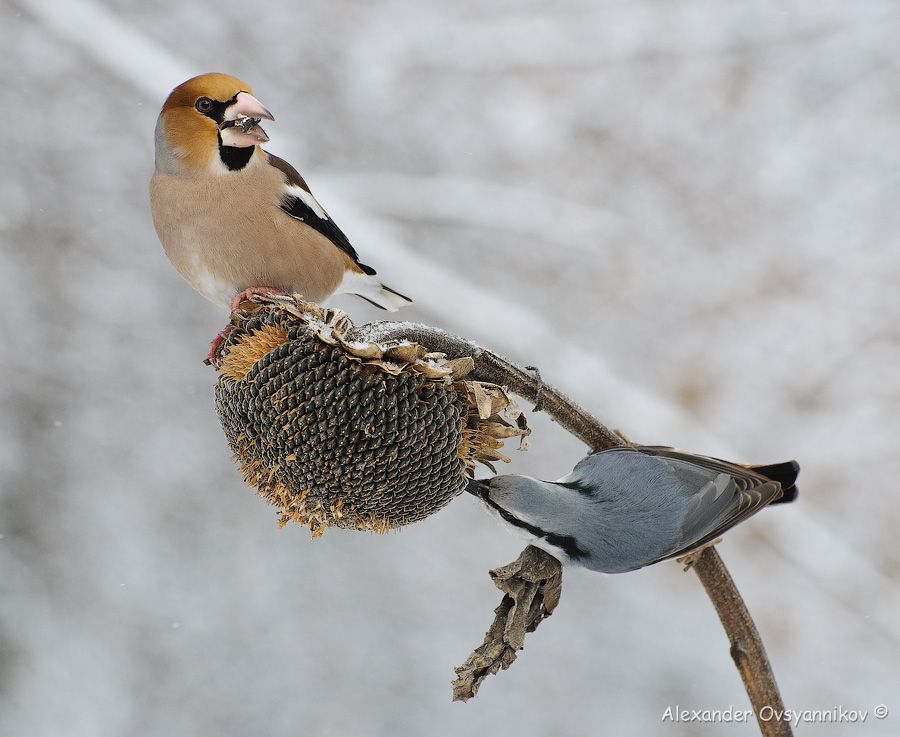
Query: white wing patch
point(307, 199)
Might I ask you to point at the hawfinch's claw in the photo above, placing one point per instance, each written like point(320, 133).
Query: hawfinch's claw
point(250, 295)
point(215, 347)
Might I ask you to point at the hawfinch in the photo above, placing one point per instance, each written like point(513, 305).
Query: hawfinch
point(235, 219)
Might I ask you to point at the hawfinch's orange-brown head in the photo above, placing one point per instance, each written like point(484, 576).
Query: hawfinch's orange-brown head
point(209, 119)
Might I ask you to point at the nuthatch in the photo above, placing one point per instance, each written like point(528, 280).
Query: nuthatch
point(624, 508)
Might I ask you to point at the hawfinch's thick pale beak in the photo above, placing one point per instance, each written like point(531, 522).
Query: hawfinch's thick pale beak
point(241, 125)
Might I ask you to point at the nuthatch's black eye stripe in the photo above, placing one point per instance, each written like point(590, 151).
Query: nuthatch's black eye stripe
point(581, 487)
point(566, 543)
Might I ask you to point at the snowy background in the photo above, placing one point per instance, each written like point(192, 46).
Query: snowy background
point(686, 214)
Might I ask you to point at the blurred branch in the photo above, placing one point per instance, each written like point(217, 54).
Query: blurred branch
point(532, 584)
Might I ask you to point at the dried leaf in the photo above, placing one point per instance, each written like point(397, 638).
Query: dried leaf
point(429, 371)
point(361, 350)
point(485, 453)
point(499, 400)
point(500, 429)
point(514, 412)
point(482, 400)
point(460, 367)
point(404, 353)
point(389, 368)
point(532, 586)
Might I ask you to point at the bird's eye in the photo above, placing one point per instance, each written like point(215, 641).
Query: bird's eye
point(204, 105)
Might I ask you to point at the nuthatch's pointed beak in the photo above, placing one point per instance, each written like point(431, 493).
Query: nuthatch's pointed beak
point(477, 488)
point(241, 125)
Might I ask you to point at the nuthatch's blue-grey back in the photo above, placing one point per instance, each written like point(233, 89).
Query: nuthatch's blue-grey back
point(624, 508)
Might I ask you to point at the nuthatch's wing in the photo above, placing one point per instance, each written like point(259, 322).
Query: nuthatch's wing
point(718, 495)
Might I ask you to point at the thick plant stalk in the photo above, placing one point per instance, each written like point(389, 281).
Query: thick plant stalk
point(746, 649)
point(531, 584)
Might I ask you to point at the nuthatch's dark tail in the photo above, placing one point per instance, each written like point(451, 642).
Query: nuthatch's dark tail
point(785, 474)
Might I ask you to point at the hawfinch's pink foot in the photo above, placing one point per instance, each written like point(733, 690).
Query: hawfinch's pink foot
point(249, 294)
point(212, 358)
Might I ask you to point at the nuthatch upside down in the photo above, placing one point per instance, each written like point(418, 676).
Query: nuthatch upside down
point(624, 508)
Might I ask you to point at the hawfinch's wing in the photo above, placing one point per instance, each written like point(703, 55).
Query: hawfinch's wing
point(299, 203)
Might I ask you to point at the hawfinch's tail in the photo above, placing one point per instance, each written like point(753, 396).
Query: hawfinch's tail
point(372, 290)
